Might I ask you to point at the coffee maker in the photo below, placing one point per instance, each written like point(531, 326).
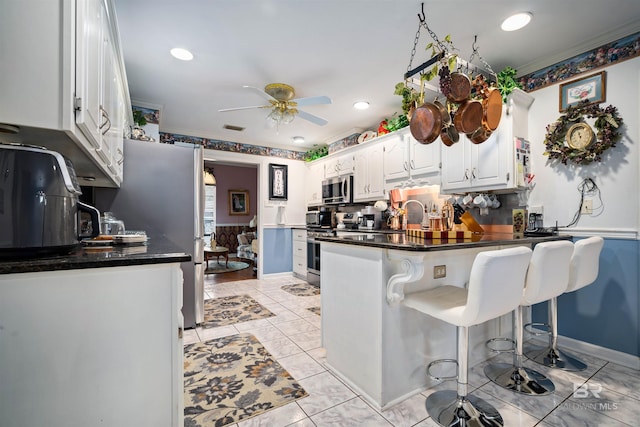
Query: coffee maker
point(371, 219)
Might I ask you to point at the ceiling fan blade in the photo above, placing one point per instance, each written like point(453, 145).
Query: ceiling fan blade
point(260, 92)
point(313, 119)
point(312, 100)
point(244, 108)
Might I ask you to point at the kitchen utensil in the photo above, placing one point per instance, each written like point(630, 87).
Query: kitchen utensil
point(468, 118)
point(470, 222)
point(479, 136)
point(492, 109)
point(460, 87)
point(449, 135)
point(380, 206)
point(110, 225)
point(426, 123)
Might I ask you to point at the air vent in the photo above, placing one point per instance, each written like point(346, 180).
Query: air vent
point(232, 127)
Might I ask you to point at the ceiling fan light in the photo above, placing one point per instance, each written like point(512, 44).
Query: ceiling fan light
point(517, 21)
point(182, 54)
point(361, 105)
point(287, 117)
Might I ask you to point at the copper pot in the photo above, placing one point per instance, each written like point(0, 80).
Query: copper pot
point(449, 135)
point(469, 116)
point(479, 136)
point(426, 123)
point(460, 87)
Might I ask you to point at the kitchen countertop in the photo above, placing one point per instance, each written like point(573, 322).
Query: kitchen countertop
point(156, 251)
point(401, 241)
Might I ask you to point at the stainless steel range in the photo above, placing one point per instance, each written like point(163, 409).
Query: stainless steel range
point(313, 253)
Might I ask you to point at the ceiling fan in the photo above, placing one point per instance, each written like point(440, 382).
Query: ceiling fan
point(284, 106)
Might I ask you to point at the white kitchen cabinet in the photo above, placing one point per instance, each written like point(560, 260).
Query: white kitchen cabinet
point(368, 178)
point(338, 165)
point(315, 175)
point(70, 354)
point(406, 161)
point(493, 164)
point(300, 253)
point(62, 97)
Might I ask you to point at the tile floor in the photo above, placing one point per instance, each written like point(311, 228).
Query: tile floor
point(293, 337)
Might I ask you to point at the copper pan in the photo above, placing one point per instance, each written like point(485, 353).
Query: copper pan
point(460, 87)
point(492, 109)
point(469, 116)
point(426, 123)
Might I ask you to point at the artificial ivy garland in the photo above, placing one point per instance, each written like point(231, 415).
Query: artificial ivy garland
point(608, 123)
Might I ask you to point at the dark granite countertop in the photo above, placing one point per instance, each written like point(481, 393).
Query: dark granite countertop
point(156, 251)
point(406, 243)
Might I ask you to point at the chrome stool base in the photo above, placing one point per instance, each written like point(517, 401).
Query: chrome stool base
point(448, 409)
point(521, 380)
point(554, 358)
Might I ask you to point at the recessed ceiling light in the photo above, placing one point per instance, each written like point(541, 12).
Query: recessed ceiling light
point(298, 139)
point(361, 105)
point(517, 21)
point(181, 53)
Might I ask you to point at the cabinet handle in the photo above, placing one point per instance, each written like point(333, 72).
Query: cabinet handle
point(413, 165)
point(466, 174)
point(473, 173)
point(404, 165)
point(180, 332)
point(105, 116)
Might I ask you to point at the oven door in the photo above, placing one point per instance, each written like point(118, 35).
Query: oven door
point(313, 261)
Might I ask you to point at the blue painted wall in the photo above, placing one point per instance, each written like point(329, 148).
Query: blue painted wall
point(604, 313)
point(277, 250)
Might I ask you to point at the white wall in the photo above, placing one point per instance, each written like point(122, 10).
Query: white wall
point(617, 175)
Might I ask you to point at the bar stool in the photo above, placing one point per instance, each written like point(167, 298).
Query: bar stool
point(546, 278)
point(583, 271)
point(495, 288)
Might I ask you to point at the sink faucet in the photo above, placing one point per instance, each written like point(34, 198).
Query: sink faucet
point(422, 221)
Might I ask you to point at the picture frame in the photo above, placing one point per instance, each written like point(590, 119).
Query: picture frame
point(238, 202)
point(591, 88)
point(278, 186)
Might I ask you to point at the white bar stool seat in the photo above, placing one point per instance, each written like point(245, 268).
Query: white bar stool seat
point(546, 278)
point(493, 273)
point(583, 271)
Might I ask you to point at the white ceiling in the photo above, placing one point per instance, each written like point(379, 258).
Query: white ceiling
point(349, 50)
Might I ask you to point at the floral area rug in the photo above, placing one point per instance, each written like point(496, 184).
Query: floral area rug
point(222, 267)
point(314, 310)
point(233, 378)
point(301, 289)
point(233, 309)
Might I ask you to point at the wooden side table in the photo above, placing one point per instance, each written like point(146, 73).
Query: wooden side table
point(217, 252)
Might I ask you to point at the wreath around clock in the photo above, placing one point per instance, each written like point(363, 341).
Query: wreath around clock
point(607, 124)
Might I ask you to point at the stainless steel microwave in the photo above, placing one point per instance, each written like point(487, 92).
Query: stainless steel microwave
point(337, 190)
point(319, 219)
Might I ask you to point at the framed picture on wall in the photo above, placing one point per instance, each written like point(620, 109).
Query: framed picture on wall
point(238, 202)
point(277, 182)
point(591, 88)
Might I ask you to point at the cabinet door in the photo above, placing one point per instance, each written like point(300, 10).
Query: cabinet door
point(375, 173)
point(396, 159)
point(455, 165)
point(314, 183)
point(489, 163)
point(424, 159)
point(90, 30)
point(361, 175)
point(340, 165)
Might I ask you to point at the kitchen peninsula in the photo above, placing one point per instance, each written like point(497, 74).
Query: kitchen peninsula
point(378, 346)
point(93, 337)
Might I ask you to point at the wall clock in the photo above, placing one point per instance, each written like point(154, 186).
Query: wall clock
point(580, 136)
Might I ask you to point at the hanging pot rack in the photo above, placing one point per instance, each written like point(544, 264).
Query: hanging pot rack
point(461, 64)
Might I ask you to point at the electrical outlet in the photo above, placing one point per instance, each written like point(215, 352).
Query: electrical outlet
point(439, 271)
point(587, 207)
point(536, 210)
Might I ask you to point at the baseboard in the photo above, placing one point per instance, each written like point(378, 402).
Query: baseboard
point(615, 356)
point(277, 275)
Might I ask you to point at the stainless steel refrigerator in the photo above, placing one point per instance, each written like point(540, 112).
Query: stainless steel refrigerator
point(163, 194)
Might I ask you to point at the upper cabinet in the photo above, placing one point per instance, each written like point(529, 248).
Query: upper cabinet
point(494, 164)
point(405, 159)
point(315, 175)
point(338, 165)
point(71, 95)
point(368, 180)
